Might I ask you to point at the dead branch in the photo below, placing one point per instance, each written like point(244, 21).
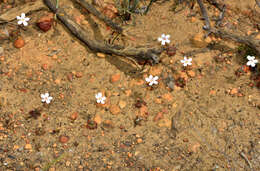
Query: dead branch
point(80, 33)
point(204, 14)
point(26, 8)
point(255, 44)
point(99, 15)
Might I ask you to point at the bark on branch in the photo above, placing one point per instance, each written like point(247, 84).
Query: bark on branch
point(80, 33)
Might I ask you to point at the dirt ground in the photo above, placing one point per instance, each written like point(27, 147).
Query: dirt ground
point(210, 123)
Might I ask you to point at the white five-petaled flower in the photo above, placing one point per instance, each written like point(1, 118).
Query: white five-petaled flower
point(22, 19)
point(164, 39)
point(251, 61)
point(186, 61)
point(46, 98)
point(100, 98)
point(152, 80)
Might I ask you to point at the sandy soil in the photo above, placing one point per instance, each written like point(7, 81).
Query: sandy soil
point(212, 123)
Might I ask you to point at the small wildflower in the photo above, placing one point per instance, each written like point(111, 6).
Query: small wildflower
point(46, 98)
point(186, 61)
point(251, 61)
point(152, 80)
point(100, 98)
point(164, 39)
point(22, 19)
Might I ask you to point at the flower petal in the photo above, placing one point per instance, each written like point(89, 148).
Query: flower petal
point(23, 15)
point(155, 82)
point(25, 23)
point(167, 41)
point(155, 78)
point(159, 39)
point(26, 19)
point(163, 36)
point(18, 17)
point(47, 94)
point(190, 59)
point(167, 36)
point(47, 101)
point(163, 42)
point(20, 22)
point(250, 58)
point(42, 96)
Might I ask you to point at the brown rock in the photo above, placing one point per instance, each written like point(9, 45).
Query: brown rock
point(158, 117)
point(74, 116)
point(19, 42)
point(28, 147)
point(194, 147)
point(165, 123)
point(122, 104)
point(101, 55)
point(79, 74)
point(114, 109)
point(191, 73)
point(115, 78)
point(233, 91)
point(63, 139)
point(199, 41)
point(45, 22)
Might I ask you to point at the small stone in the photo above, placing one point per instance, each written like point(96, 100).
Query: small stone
point(63, 139)
point(199, 41)
point(44, 67)
point(114, 109)
point(115, 78)
point(194, 147)
point(122, 104)
point(97, 119)
point(139, 140)
point(28, 147)
point(79, 74)
point(70, 77)
point(233, 91)
point(158, 117)
point(158, 101)
point(45, 22)
point(191, 73)
point(101, 55)
point(19, 42)
point(67, 163)
point(74, 116)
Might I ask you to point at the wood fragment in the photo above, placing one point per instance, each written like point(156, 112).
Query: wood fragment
point(99, 15)
point(205, 15)
point(26, 8)
point(136, 53)
point(246, 159)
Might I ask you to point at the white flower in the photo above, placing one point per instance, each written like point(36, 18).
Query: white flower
point(100, 98)
point(251, 61)
point(152, 80)
point(164, 39)
point(46, 98)
point(22, 19)
point(186, 61)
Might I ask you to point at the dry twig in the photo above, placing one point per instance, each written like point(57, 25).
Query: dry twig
point(136, 53)
point(99, 15)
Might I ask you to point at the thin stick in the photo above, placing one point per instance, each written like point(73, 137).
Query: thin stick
point(99, 15)
point(245, 157)
point(205, 15)
point(79, 32)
